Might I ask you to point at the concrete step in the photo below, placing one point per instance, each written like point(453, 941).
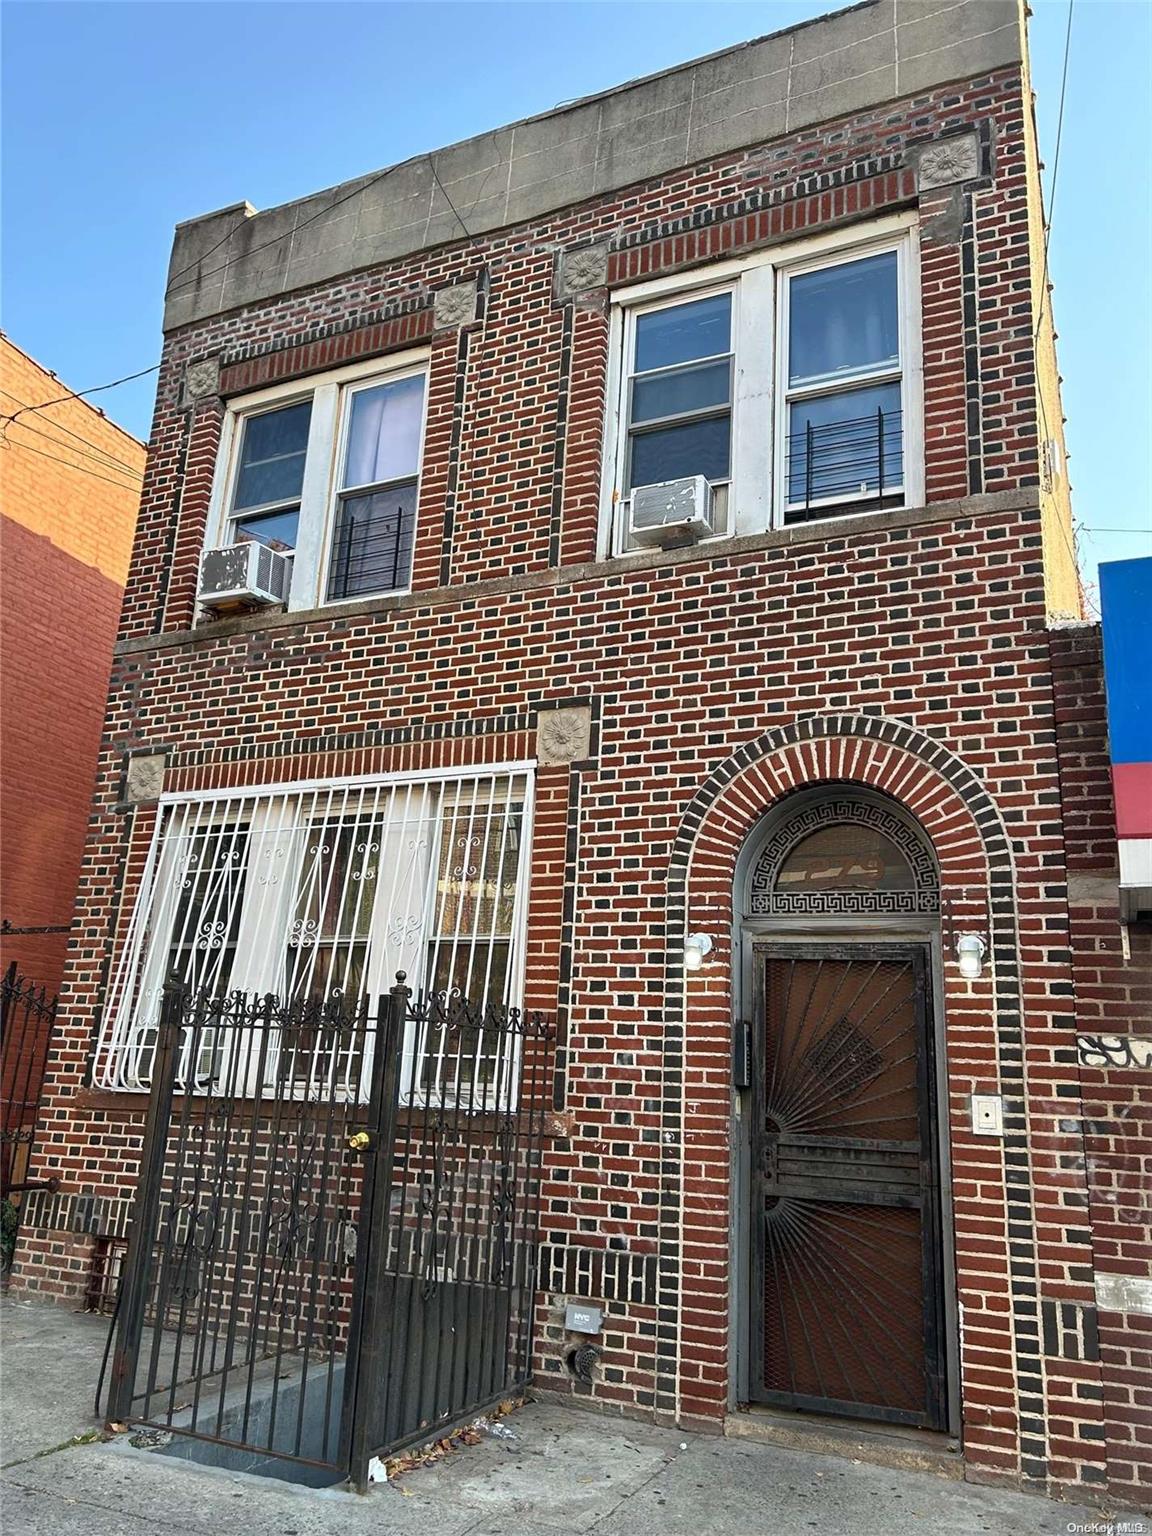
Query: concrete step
point(882, 1445)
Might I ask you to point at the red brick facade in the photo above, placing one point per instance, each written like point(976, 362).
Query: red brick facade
point(903, 653)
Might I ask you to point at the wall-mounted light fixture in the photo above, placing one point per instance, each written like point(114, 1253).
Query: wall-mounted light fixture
point(696, 946)
point(970, 952)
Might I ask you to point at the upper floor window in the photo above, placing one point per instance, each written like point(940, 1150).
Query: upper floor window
point(328, 472)
point(376, 496)
point(789, 381)
point(842, 377)
point(680, 395)
point(270, 477)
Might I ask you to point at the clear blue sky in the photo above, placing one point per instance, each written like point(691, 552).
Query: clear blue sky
point(121, 119)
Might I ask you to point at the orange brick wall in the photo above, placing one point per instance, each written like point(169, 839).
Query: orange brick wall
point(69, 490)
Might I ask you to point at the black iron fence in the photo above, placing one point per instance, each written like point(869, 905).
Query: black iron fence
point(333, 1244)
point(28, 1016)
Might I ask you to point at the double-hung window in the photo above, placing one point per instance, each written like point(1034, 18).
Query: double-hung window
point(320, 894)
point(679, 392)
point(377, 484)
point(841, 380)
point(789, 380)
point(265, 502)
point(329, 472)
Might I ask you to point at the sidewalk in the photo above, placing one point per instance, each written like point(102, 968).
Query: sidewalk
point(567, 1473)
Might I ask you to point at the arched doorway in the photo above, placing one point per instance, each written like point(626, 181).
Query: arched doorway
point(841, 1147)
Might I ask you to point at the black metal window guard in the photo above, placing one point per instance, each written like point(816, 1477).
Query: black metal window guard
point(372, 549)
point(831, 468)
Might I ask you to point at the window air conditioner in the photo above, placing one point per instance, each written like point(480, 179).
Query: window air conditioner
point(672, 512)
point(244, 576)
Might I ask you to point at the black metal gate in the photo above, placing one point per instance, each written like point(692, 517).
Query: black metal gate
point(333, 1245)
point(28, 1016)
point(847, 1289)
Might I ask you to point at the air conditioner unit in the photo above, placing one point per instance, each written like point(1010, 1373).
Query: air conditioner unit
point(244, 576)
point(674, 511)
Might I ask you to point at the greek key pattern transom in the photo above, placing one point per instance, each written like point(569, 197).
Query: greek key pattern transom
point(766, 901)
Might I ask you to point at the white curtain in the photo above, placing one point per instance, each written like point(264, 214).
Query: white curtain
point(384, 433)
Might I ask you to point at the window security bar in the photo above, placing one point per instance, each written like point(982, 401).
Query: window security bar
point(316, 896)
point(843, 461)
point(372, 550)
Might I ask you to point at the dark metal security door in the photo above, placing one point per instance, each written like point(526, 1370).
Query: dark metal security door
point(847, 1295)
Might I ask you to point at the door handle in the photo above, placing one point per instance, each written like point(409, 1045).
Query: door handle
point(360, 1141)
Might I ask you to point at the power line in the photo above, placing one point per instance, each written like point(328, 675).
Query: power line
point(1056, 155)
point(1045, 296)
point(451, 204)
point(105, 461)
point(176, 286)
point(101, 455)
point(79, 468)
point(77, 394)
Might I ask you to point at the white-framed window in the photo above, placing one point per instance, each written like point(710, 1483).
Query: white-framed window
point(678, 393)
point(790, 380)
point(328, 471)
point(842, 359)
point(322, 892)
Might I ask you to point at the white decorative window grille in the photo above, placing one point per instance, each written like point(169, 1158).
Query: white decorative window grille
point(322, 893)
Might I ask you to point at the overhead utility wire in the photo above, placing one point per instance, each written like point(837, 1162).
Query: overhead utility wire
point(90, 450)
point(1045, 296)
point(451, 204)
point(175, 286)
point(79, 468)
point(116, 466)
point(76, 394)
point(1056, 157)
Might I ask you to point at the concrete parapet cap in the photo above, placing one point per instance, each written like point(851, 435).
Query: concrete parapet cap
point(848, 61)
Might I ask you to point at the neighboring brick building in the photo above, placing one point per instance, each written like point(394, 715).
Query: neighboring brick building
point(827, 770)
point(69, 491)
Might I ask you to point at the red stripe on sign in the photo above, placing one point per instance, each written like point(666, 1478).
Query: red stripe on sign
point(1132, 786)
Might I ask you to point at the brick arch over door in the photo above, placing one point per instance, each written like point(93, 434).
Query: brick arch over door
point(977, 886)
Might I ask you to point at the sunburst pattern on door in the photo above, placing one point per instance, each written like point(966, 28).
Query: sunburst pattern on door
point(848, 1274)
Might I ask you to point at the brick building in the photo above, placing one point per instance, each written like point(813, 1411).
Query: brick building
point(783, 787)
point(71, 485)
